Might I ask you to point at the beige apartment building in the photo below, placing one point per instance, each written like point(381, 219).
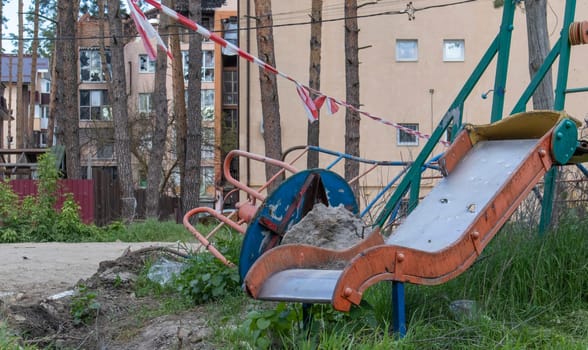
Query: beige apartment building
point(410, 72)
point(219, 101)
point(8, 103)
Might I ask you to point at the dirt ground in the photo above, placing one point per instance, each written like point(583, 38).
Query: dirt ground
point(31, 274)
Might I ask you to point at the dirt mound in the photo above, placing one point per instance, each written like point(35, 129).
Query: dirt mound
point(116, 322)
point(327, 227)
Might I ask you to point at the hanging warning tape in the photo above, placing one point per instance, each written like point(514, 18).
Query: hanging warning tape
point(311, 106)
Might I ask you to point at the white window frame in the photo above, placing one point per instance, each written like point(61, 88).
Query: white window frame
point(145, 102)
point(400, 134)
point(207, 104)
point(97, 99)
point(449, 44)
point(230, 87)
point(207, 68)
point(206, 180)
point(403, 52)
point(146, 65)
point(94, 66)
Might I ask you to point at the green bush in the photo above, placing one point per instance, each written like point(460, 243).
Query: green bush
point(84, 307)
point(35, 218)
point(206, 278)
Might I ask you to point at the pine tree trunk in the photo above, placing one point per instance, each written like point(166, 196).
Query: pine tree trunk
point(118, 100)
point(181, 6)
point(21, 115)
point(270, 104)
point(52, 100)
point(33, 86)
point(351, 91)
point(155, 170)
point(68, 94)
point(2, 138)
point(314, 74)
point(538, 42)
point(191, 181)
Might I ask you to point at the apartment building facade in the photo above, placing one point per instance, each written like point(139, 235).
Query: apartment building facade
point(8, 100)
point(219, 101)
point(411, 69)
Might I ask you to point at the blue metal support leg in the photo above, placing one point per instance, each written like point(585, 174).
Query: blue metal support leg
point(398, 312)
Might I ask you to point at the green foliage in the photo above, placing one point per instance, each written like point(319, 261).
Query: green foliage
point(84, 307)
point(35, 218)
point(206, 278)
point(153, 230)
point(10, 341)
point(268, 326)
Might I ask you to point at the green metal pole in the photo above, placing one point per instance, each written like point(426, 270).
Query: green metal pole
point(560, 99)
point(506, 28)
point(453, 115)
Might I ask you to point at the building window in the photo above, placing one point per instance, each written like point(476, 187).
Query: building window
point(407, 139)
point(230, 34)
point(407, 50)
point(230, 87)
point(230, 119)
point(207, 69)
point(145, 103)
point(207, 182)
point(207, 149)
point(105, 151)
point(207, 104)
point(145, 141)
point(146, 65)
point(94, 105)
point(91, 66)
point(40, 138)
point(453, 50)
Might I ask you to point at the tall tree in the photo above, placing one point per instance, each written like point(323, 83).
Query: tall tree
point(33, 86)
point(21, 138)
point(118, 101)
point(351, 91)
point(314, 75)
point(155, 170)
point(538, 44)
point(191, 179)
point(2, 116)
point(181, 6)
point(67, 90)
point(270, 103)
point(51, 47)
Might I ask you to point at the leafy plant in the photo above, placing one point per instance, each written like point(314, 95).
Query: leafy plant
point(206, 278)
point(268, 326)
point(10, 341)
point(84, 307)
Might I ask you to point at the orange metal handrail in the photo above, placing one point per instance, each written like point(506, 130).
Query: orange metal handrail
point(204, 240)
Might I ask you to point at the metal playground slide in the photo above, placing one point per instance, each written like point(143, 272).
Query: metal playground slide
point(488, 171)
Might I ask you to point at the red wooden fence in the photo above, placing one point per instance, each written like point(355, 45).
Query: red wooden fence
point(82, 190)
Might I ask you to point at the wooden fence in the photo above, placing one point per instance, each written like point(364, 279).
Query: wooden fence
point(99, 199)
point(82, 190)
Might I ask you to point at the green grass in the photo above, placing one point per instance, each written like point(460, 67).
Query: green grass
point(10, 341)
point(531, 292)
point(155, 231)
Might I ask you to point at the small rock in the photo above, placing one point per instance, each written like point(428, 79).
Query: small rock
point(464, 309)
point(19, 318)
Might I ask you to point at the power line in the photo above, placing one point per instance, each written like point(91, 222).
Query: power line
point(292, 24)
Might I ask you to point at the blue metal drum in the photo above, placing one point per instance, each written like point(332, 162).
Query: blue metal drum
point(287, 205)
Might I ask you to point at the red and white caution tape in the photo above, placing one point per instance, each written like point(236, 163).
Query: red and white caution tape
point(311, 106)
point(146, 31)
